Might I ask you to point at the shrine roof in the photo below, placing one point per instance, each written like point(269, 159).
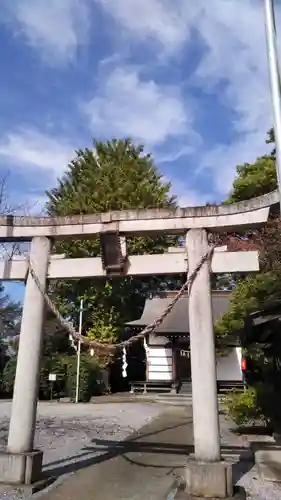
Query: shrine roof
point(261, 325)
point(177, 320)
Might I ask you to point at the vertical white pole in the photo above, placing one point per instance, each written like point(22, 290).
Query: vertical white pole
point(79, 353)
point(274, 76)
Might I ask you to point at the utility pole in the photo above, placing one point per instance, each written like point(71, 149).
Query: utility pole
point(79, 352)
point(274, 76)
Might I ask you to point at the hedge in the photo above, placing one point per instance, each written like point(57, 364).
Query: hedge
point(65, 369)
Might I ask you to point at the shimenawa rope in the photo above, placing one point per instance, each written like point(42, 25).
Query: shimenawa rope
point(148, 329)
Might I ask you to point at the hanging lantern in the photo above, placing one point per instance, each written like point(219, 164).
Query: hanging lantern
point(244, 365)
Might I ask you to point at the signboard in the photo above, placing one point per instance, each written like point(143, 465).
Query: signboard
point(52, 377)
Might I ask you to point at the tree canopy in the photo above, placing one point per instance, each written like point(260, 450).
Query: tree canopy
point(255, 179)
point(10, 315)
point(115, 175)
point(251, 292)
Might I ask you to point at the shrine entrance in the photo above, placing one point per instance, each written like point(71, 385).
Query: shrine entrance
point(21, 463)
point(183, 366)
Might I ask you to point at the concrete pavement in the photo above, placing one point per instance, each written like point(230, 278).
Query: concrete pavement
point(146, 466)
point(143, 467)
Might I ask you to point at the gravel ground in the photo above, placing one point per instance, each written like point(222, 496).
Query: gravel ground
point(245, 474)
point(65, 431)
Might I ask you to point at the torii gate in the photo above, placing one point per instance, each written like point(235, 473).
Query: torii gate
point(21, 463)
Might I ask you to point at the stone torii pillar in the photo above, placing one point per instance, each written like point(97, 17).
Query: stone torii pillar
point(26, 461)
point(206, 476)
point(202, 347)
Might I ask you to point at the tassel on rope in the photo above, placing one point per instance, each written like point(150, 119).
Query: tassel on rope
point(124, 363)
point(146, 348)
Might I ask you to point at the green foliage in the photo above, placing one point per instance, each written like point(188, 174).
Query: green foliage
point(254, 179)
point(65, 369)
point(10, 314)
point(116, 175)
point(54, 365)
point(102, 332)
point(249, 294)
point(9, 374)
point(90, 377)
point(242, 407)
point(271, 140)
point(251, 406)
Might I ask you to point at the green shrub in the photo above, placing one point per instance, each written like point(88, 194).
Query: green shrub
point(243, 407)
point(57, 367)
point(9, 374)
point(90, 377)
point(65, 369)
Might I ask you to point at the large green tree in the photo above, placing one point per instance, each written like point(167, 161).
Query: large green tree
point(252, 292)
point(255, 179)
point(115, 175)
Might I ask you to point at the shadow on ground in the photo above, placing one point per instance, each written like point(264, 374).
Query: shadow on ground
point(260, 430)
point(144, 453)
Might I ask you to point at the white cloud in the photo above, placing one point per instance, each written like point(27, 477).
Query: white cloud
point(127, 105)
point(54, 27)
point(186, 197)
point(233, 54)
point(235, 37)
point(29, 148)
point(159, 20)
point(222, 159)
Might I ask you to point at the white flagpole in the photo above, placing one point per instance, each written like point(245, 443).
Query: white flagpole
point(79, 353)
point(274, 76)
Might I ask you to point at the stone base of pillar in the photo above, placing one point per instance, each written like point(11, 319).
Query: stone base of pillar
point(268, 461)
point(209, 480)
point(21, 468)
point(238, 495)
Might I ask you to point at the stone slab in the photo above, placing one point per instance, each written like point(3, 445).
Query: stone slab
point(209, 480)
point(240, 494)
point(268, 461)
point(27, 489)
point(20, 468)
point(268, 464)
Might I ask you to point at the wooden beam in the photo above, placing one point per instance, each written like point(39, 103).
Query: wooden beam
point(137, 265)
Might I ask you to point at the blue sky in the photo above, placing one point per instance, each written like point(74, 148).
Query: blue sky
point(188, 79)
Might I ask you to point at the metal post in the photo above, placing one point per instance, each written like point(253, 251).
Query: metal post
point(79, 353)
point(274, 75)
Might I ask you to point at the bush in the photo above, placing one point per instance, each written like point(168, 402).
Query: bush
point(65, 369)
point(9, 374)
point(243, 407)
point(240, 407)
point(90, 377)
point(56, 366)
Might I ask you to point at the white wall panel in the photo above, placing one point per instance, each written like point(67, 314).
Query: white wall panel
point(160, 361)
point(159, 376)
point(229, 367)
point(163, 368)
point(158, 352)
